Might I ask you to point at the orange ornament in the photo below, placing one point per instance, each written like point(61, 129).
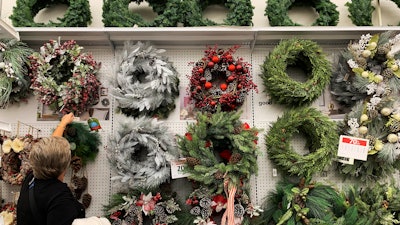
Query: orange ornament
point(215, 59)
point(223, 86)
point(231, 67)
point(208, 85)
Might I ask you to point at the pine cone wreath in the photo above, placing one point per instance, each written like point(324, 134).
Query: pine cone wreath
point(86, 200)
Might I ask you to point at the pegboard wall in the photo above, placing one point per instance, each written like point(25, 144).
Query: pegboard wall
point(257, 111)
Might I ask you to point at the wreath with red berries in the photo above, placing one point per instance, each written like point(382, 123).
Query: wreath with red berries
point(220, 80)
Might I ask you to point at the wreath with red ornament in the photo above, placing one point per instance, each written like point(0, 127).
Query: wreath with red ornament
point(220, 80)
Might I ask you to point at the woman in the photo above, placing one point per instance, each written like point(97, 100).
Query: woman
point(53, 202)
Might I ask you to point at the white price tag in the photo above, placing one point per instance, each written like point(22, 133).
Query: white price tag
point(177, 168)
point(353, 148)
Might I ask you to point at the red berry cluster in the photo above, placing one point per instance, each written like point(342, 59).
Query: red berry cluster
point(65, 78)
point(219, 79)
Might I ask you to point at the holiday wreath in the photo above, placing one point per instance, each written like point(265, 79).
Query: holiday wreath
point(77, 15)
point(378, 120)
point(146, 82)
point(220, 80)
point(173, 12)
point(64, 78)
point(14, 79)
point(321, 136)
point(367, 67)
point(140, 153)
point(142, 207)
point(221, 154)
point(277, 12)
point(360, 11)
point(15, 158)
point(305, 54)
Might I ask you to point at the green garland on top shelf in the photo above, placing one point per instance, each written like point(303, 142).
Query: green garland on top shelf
point(320, 134)
point(173, 13)
point(77, 15)
point(277, 12)
point(294, 52)
point(360, 11)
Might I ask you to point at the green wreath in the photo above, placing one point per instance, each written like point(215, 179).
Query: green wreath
point(77, 15)
point(302, 53)
point(240, 11)
point(360, 11)
point(146, 82)
point(140, 153)
point(277, 12)
point(321, 136)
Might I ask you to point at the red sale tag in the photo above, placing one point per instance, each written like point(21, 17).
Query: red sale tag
point(353, 148)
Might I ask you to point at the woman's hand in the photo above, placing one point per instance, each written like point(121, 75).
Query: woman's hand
point(65, 120)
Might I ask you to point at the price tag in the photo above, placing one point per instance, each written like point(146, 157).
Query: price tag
point(353, 148)
point(177, 168)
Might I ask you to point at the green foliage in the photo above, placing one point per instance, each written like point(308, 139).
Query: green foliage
point(321, 137)
point(360, 12)
point(174, 13)
point(305, 54)
point(87, 142)
point(77, 15)
point(277, 12)
point(213, 134)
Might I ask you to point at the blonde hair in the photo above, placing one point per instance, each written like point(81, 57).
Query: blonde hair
point(50, 157)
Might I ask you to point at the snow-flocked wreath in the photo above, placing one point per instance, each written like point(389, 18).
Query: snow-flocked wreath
point(368, 67)
point(140, 153)
point(64, 78)
point(77, 15)
point(15, 158)
point(277, 12)
point(321, 136)
point(220, 80)
point(146, 82)
point(14, 80)
point(307, 55)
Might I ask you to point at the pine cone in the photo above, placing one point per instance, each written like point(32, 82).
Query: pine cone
point(82, 184)
point(388, 73)
point(71, 131)
point(191, 161)
point(237, 130)
point(395, 126)
point(383, 49)
point(78, 193)
point(76, 163)
point(86, 200)
point(218, 175)
point(235, 158)
point(362, 62)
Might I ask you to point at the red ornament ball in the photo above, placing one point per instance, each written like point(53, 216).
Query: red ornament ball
point(208, 85)
point(215, 59)
point(231, 67)
point(223, 86)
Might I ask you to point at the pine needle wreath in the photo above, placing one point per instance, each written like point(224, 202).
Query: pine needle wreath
point(146, 82)
point(140, 153)
point(368, 67)
point(220, 80)
point(15, 159)
point(141, 207)
point(321, 136)
point(172, 13)
point(219, 147)
point(64, 78)
point(305, 54)
point(84, 142)
point(14, 80)
point(378, 120)
point(277, 12)
point(360, 11)
point(299, 203)
point(77, 15)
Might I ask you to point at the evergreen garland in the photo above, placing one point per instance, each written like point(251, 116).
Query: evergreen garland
point(77, 15)
point(172, 13)
point(146, 82)
point(321, 136)
point(140, 153)
point(14, 80)
point(360, 11)
point(84, 142)
point(367, 67)
point(302, 53)
point(219, 147)
point(277, 12)
point(377, 120)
